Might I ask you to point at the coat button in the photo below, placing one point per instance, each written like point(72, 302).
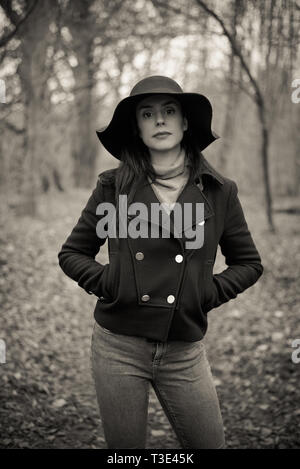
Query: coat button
point(139, 256)
point(171, 299)
point(145, 298)
point(179, 258)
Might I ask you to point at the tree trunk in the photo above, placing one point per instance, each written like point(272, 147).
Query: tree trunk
point(265, 159)
point(83, 142)
point(232, 95)
point(33, 78)
point(82, 25)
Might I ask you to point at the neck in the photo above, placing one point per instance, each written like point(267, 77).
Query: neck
point(167, 157)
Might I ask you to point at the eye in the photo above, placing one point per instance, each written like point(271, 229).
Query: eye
point(170, 111)
point(147, 114)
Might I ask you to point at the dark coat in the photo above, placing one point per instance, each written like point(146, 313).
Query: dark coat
point(156, 288)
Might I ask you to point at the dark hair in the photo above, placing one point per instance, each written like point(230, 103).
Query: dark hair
point(135, 160)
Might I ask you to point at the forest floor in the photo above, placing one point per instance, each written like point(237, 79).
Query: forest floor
point(47, 398)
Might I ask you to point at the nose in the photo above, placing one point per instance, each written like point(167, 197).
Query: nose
point(160, 118)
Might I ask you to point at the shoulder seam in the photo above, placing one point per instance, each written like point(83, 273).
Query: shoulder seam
point(107, 177)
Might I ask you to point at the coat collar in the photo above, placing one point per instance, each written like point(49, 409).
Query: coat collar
point(206, 168)
point(192, 193)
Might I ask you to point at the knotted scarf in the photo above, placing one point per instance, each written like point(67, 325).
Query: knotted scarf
point(170, 180)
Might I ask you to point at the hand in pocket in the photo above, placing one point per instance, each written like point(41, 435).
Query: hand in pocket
point(211, 295)
point(105, 284)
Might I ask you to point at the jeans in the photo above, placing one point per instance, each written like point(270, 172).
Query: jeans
point(123, 368)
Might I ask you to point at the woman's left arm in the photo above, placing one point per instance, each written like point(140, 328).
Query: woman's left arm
point(238, 248)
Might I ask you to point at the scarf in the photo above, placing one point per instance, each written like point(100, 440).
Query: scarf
point(170, 180)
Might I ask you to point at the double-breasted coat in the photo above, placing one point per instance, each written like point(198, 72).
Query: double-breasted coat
point(156, 287)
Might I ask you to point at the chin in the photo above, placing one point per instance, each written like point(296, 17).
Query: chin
point(164, 147)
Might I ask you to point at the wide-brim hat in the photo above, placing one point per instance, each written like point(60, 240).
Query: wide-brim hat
point(197, 109)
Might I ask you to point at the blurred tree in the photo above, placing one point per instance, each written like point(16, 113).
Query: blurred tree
point(258, 98)
point(267, 81)
point(232, 90)
point(86, 24)
point(101, 33)
point(33, 35)
point(279, 47)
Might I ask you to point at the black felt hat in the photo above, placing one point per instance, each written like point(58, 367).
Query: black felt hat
point(197, 110)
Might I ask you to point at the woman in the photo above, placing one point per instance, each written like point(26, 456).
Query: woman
point(156, 291)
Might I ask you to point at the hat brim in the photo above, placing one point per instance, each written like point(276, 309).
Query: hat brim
point(198, 111)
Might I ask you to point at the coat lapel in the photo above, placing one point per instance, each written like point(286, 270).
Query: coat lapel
point(192, 194)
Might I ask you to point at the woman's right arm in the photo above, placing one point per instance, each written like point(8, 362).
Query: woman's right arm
point(77, 255)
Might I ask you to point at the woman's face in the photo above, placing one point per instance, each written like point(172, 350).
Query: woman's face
point(160, 122)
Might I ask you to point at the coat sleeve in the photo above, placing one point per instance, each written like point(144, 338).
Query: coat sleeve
point(241, 256)
point(77, 254)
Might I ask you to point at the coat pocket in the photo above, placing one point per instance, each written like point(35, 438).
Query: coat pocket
point(109, 286)
point(210, 292)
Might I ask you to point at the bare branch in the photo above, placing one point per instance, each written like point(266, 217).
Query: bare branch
point(14, 18)
point(243, 88)
point(235, 49)
point(175, 10)
point(11, 14)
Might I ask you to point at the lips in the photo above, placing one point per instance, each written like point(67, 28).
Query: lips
point(161, 134)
